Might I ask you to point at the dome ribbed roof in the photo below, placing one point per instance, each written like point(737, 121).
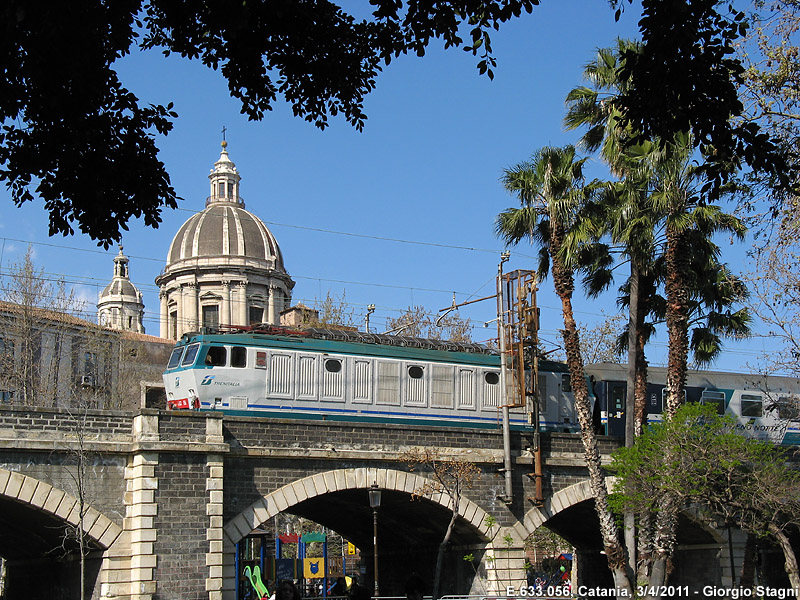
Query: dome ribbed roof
point(225, 230)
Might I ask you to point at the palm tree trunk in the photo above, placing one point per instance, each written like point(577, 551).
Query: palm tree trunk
point(677, 265)
point(630, 403)
point(564, 285)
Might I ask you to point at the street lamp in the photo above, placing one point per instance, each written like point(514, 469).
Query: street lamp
point(375, 503)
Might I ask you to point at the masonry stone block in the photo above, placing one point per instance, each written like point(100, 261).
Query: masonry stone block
point(391, 480)
point(14, 485)
point(330, 481)
point(349, 479)
point(218, 509)
point(260, 513)
point(147, 561)
point(216, 496)
point(28, 489)
point(4, 477)
point(143, 535)
point(216, 534)
point(216, 472)
point(271, 506)
point(213, 558)
point(241, 526)
point(289, 494)
point(216, 521)
point(142, 510)
point(300, 491)
point(65, 506)
point(213, 484)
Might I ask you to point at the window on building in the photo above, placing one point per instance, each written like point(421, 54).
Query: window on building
point(256, 315)
point(211, 316)
point(6, 396)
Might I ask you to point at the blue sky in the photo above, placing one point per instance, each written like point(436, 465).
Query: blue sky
point(426, 170)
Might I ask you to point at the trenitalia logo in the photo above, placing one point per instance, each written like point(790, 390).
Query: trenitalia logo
point(207, 380)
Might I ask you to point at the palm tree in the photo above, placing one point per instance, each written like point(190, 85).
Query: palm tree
point(655, 193)
point(550, 188)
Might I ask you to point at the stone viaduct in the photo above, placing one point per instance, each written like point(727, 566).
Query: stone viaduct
point(168, 495)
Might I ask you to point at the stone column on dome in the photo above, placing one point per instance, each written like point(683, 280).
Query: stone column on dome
point(242, 303)
point(164, 320)
point(274, 303)
point(225, 317)
point(181, 312)
point(190, 306)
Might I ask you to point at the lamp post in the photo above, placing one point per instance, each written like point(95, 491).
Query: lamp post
point(375, 503)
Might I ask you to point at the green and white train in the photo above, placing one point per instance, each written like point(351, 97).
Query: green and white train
point(353, 376)
point(347, 375)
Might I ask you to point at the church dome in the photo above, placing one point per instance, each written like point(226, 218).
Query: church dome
point(224, 267)
point(225, 231)
point(120, 304)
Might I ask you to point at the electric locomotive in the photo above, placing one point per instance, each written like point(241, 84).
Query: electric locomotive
point(349, 375)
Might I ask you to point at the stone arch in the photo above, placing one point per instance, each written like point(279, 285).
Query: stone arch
point(344, 479)
point(46, 498)
point(561, 500)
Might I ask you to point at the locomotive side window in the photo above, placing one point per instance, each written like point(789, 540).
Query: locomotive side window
point(491, 378)
point(566, 383)
point(415, 372)
point(714, 398)
point(191, 354)
point(239, 357)
point(261, 360)
point(175, 357)
point(752, 405)
point(333, 365)
point(216, 356)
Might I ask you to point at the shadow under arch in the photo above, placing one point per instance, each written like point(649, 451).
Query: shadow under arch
point(340, 480)
point(32, 510)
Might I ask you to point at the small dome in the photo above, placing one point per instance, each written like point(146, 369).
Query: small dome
point(119, 287)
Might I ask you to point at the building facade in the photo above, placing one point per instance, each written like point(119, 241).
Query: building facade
point(224, 266)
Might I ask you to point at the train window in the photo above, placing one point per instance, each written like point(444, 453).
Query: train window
point(566, 383)
point(175, 357)
point(415, 372)
point(787, 408)
point(216, 356)
point(752, 405)
point(191, 354)
point(713, 398)
point(333, 365)
point(239, 357)
point(491, 378)
point(261, 360)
